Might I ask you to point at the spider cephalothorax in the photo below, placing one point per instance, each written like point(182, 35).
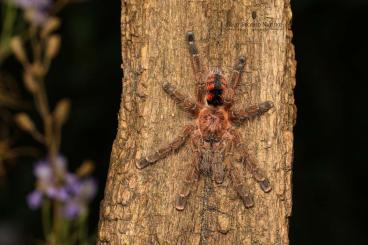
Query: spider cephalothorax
point(212, 123)
point(213, 138)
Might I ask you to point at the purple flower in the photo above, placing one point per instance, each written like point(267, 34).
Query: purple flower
point(59, 194)
point(62, 194)
point(56, 183)
point(71, 210)
point(71, 179)
point(36, 10)
point(84, 191)
point(37, 17)
point(89, 189)
point(73, 183)
point(34, 199)
point(43, 171)
point(35, 4)
point(61, 163)
point(46, 182)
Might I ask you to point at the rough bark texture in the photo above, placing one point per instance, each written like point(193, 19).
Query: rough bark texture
point(138, 207)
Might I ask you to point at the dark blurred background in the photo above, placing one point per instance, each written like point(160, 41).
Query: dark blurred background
point(330, 167)
point(87, 71)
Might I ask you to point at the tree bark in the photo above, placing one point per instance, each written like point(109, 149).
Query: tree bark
point(138, 207)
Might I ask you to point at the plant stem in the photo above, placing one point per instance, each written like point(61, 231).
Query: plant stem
point(46, 218)
point(9, 14)
point(42, 104)
point(57, 221)
point(81, 228)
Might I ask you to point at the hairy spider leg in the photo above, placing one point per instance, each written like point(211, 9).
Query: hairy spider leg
point(237, 73)
point(183, 101)
point(197, 68)
point(240, 116)
point(249, 163)
point(240, 187)
point(236, 76)
point(191, 177)
point(257, 173)
point(163, 152)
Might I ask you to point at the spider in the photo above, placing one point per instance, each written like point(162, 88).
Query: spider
point(212, 136)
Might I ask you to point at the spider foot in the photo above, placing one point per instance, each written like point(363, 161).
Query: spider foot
point(239, 66)
point(242, 59)
point(258, 174)
point(265, 185)
point(218, 173)
point(180, 203)
point(246, 197)
point(192, 48)
point(190, 36)
point(265, 106)
point(142, 163)
point(168, 88)
point(241, 63)
point(219, 179)
point(247, 201)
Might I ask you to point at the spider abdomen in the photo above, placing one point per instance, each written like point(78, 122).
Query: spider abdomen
point(205, 164)
point(211, 165)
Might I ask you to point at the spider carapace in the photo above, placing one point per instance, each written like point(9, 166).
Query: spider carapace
point(213, 138)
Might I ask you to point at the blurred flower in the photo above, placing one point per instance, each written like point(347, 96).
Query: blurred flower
point(71, 180)
point(84, 191)
point(59, 194)
point(46, 173)
point(36, 16)
point(87, 189)
point(35, 10)
point(71, 210)
point(74, 192)
point(36, 4)
point(42, 171)
point(34, 199)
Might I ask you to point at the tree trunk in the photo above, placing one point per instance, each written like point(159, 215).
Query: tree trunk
point(138, 207)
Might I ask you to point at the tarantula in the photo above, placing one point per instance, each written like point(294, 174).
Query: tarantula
point(212, 137)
